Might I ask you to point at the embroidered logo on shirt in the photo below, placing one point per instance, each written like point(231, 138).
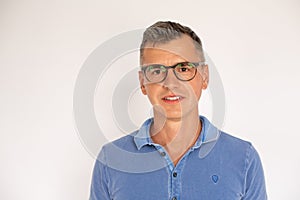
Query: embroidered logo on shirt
point(215, 178)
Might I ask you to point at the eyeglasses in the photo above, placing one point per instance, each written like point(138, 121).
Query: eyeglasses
point(184, 71)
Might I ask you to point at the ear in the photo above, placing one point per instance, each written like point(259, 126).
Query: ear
point(205, 77)
point(141, 78)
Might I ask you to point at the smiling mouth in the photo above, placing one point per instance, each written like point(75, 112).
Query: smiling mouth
point(172, 99)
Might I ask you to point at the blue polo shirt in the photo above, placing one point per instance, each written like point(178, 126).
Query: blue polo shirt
point(218, 167)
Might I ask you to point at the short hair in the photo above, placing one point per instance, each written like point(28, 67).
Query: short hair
point(165, 31)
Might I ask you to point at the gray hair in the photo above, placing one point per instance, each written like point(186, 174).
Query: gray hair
point(165, 31)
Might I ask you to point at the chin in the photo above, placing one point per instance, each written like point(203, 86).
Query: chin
point(171, 114)
point(177, 115)
point(174, 117)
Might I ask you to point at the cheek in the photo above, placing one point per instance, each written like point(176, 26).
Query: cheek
point(152, 92)
point(197, 86)
point(197, 92)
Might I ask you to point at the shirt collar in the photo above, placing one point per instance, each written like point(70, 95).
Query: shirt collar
point(209, 133)
point(142, 137)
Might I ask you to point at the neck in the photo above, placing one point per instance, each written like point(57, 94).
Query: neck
point(176, 135)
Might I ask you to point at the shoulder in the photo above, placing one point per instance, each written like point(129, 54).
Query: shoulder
point(116, 149)
point(123, 143)
point(229, 145)
point(235, 142)
point(239, 148)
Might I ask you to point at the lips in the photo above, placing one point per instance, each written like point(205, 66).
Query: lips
point(171, 99)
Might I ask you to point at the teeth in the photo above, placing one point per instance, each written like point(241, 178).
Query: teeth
point(172, 98)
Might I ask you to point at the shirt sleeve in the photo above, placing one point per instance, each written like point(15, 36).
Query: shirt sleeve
point(255, 188)
point(99, 185)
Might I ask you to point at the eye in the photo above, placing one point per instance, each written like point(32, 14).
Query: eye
point(185, 67)
point(155, 70)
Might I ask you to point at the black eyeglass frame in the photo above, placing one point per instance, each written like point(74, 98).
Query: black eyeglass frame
point(196, 64)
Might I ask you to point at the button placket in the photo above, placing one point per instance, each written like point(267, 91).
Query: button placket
point(175, 183)
point(174, 174)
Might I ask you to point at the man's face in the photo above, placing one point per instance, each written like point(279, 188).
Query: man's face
point(172, 97)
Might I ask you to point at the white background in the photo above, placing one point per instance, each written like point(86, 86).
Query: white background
point(43, 44)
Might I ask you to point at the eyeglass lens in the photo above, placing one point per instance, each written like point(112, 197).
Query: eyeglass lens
point(183, 71)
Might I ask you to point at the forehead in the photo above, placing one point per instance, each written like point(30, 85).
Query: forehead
point(177, 50)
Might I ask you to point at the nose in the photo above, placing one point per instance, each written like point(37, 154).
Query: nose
point(171, 80)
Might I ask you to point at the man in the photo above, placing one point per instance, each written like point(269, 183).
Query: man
point(177, 154)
